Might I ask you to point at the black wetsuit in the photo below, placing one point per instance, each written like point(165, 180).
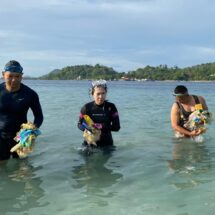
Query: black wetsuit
point(14, 107)
point(184, 115)
point(105, 114)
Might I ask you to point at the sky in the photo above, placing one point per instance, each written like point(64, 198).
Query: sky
point(44, 35)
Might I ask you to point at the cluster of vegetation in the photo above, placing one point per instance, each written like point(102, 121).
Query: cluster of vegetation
point(83, 72)
point(162, 72)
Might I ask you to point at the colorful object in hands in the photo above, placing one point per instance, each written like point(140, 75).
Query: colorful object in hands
point(198, 107)
point(92, 130)
point(25, 138)
point(198, 120)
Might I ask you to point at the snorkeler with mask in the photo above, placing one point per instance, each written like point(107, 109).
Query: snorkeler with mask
point(100, 116)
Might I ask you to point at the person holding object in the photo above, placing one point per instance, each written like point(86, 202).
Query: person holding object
point(99, 118)
point(15, 101)
point(184, 107)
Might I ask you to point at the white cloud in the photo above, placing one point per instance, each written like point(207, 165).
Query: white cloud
point(118, 33)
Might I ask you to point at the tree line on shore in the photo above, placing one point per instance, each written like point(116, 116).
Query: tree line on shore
point(203, 72)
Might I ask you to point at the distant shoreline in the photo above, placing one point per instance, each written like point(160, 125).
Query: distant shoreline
point(119, 80)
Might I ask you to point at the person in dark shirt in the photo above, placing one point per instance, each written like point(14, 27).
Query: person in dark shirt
point(103, 113)
point(15, 101)
point(183, 106)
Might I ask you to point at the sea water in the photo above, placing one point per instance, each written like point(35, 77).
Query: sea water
point(149, 172)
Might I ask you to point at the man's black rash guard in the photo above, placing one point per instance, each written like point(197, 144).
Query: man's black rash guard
point(14, 107)
point(105, 114)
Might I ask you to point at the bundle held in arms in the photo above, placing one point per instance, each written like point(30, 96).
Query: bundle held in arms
point(198, 120)
point(92, 130)
point(26, 138)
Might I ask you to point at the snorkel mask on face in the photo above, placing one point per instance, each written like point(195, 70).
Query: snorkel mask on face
point(180, 94)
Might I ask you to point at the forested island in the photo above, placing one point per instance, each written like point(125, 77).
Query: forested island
point(203, 72)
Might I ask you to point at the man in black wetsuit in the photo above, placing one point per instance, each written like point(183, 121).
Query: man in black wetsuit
point(182, 108)
point(15, 101)
point(102, 112)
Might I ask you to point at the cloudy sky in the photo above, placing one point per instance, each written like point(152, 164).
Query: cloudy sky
point(124, 34)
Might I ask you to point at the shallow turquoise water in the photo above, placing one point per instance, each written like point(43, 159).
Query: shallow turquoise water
point(149, 172)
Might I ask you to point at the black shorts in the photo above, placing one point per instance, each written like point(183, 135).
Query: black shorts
point(5, 146)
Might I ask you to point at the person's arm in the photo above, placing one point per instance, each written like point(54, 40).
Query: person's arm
point(175, 117)
point(80, 121)
point(37, 110)
point(115, 122)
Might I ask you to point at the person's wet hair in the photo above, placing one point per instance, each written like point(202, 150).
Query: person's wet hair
point(180, 90)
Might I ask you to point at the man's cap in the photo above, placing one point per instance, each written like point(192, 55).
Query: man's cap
point(13, 66)
point(180, 90)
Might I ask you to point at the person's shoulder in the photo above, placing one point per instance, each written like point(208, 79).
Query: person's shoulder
point(88, 104)
point(175, 105)
point(86, 107)
point(201, 97)
point(198, 96)
point(27, 89)
point(110, 104)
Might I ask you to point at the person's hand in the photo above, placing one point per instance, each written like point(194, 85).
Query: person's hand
point(196, 132)
point(98, 126)
point(92, 137)
point(87, 131)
